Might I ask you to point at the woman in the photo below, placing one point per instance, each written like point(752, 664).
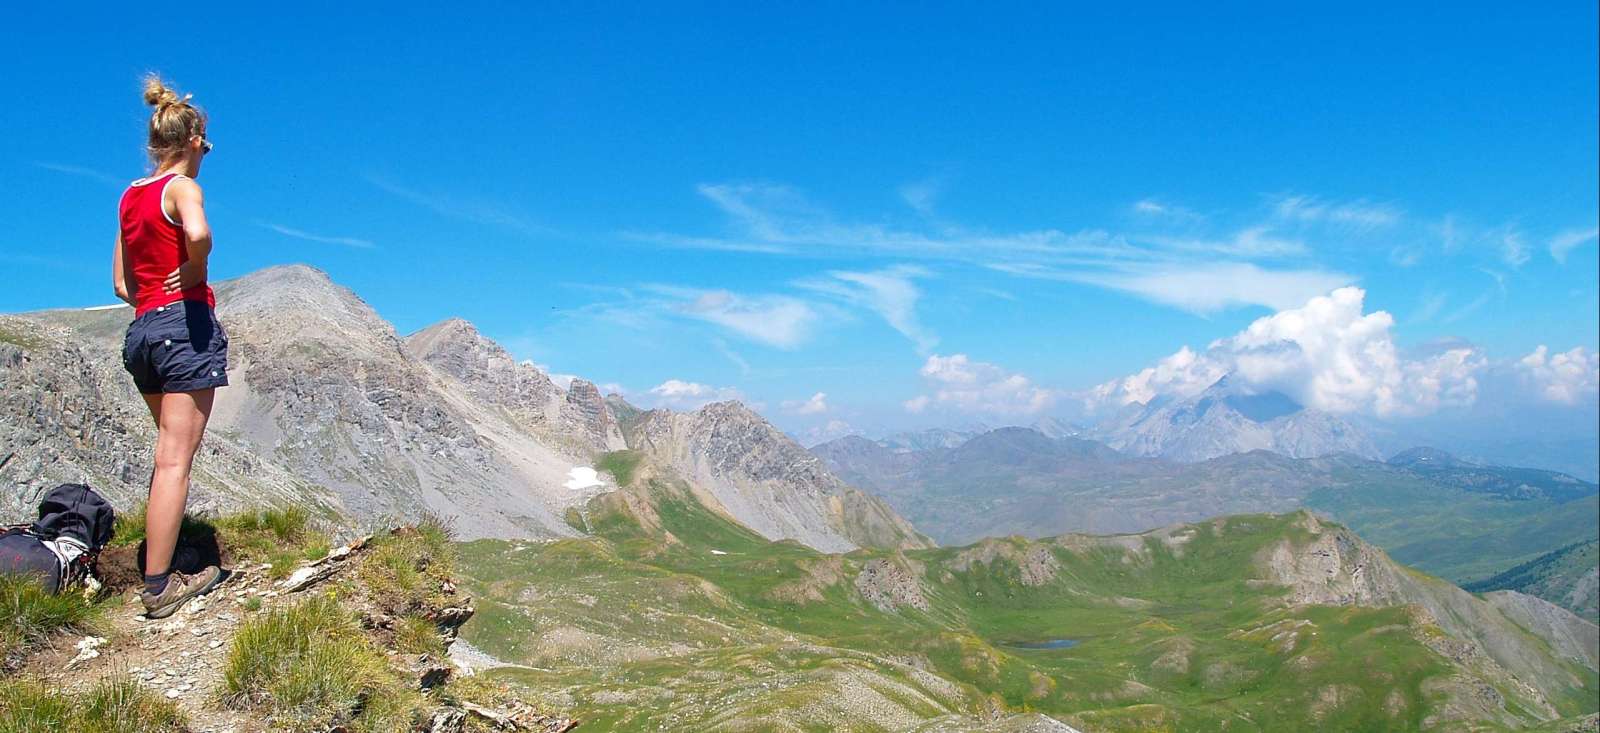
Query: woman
point(175, 348)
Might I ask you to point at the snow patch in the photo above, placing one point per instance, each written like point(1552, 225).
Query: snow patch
point(582, 477)
point(718, 552)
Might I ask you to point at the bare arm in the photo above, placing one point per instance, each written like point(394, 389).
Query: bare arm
point(120, 279)
point(189, 204)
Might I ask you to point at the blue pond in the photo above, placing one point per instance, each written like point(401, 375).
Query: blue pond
point(1047, 644)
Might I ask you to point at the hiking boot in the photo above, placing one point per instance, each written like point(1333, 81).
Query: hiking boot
point(180, 588)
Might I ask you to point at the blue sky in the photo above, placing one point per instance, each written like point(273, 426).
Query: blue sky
point(808, 199)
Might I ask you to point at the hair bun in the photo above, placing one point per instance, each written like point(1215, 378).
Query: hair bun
point(157, 93)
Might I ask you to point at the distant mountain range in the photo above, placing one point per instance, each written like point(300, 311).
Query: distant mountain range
point(1229, 418)
point(1456, 519)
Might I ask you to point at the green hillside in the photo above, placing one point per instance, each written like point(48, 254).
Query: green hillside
point(675, 618)
point(1569, 577)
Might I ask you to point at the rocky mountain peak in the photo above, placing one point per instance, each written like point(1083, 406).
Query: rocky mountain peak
point(1231, 416)
point(768, 481)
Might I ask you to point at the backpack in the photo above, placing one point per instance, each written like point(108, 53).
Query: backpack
point(60, 547)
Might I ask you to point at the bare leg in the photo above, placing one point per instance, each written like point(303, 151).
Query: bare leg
point(153, 401)
point(182, 420)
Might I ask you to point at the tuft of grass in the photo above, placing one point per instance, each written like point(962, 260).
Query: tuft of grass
point(415, 634)
point(29, 614)
point(116, 704)
point(309, 667)
point(405, 570)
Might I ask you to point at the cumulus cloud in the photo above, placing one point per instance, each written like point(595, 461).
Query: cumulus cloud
point(677, 394)
point(816, 405)
point(958, 382)
point(1326, 354)
point(1563, 243)
point(1568, 377)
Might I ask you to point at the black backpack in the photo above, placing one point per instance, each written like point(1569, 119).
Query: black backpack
point(60, 547)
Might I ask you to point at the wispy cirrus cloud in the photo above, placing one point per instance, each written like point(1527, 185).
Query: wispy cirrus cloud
point(318, 238)
point(1203, 288)
point(780, 220)
point(892, 293)
point(1354, 214)
point(464, 207)
point(82, 172)
point(775, 320)
point(1563, 243)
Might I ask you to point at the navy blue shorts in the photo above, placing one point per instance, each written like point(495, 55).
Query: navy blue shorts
point(178, 347)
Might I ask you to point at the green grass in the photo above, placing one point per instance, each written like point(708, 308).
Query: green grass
point(29, 615)
point(418, 635)
point(308, 667)
point(620, 464)
point(280, 536)
point(639, 633)
point(403, 571)
point(115, 704)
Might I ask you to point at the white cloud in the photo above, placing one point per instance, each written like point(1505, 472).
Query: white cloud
point(1161, 210)
point(1568, 378)
point(1326, 354)
point(1204, 288)
point(677, 394)
point(891, 293)
point(1513, 247)
point(318, 238)
point(780, 220)
point(775, 320)
point(83, 172)
point(1563, 243)
point(1356, 214)
point(971, 386)
point(816, 405)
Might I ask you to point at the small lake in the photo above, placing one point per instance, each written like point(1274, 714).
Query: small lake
point(1046, 644)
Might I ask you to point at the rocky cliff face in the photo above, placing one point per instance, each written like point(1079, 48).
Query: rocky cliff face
point(69, 413)
point(753, 472)
point(576, 418)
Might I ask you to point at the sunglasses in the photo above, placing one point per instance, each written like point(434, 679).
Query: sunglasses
point(205, 143)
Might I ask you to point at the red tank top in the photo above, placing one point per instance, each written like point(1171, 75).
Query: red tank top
point(153, 246)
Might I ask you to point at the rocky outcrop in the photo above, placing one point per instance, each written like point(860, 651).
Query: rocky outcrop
point(749, 470)
point(1331, 566)
point(575, 418)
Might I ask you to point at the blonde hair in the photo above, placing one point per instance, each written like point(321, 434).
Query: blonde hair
point(173, 122)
